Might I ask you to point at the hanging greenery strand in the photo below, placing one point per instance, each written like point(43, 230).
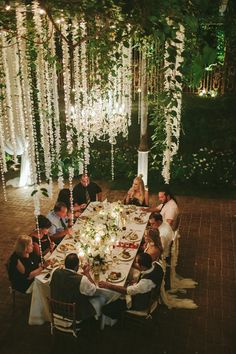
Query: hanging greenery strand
point(66, 60)
point(27, 95)
point(7, 59)
point(173, 89)
point(42, 75)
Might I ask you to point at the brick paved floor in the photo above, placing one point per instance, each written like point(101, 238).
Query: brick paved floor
point(207, 254)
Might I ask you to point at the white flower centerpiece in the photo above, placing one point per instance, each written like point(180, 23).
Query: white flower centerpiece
point(100, 232)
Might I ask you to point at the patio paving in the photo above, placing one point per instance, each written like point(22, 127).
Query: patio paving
point(207, 254)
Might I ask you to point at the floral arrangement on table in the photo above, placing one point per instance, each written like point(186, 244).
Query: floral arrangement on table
point(100, 232)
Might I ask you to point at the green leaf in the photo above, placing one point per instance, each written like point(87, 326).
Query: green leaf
point(34, 192)
point(45, 194)
point(126, 44)
point(44, 190)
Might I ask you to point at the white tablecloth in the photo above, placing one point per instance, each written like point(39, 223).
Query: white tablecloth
point(39, 310)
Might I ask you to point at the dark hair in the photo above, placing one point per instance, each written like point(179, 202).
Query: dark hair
point(43, 222)
point(72, 261)
point(84, 174)
point(58, 206)
point(154, 235)
point(64, 197)
point(145, 260)
point(166, 190)
point(156, 216)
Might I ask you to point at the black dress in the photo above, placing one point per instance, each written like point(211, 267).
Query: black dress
point(136, 201)
point(18, 280)
point(45, 242)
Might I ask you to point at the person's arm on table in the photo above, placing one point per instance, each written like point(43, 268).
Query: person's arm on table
point(59, 234)
point(143, 286)
point(152, 209)
point(119, 289)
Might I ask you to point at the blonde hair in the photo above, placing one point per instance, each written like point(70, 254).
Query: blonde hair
point(141, 186)
point(21, 243)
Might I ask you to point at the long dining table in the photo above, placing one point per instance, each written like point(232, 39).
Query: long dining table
point(129, 240)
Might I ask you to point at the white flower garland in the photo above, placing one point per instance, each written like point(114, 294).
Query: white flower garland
point(67, 86)
point(43, 89)
point(77, 84)
point(3, 178)
point(2, 119)
point(112, 163)
point(39, 238)
point(9, 93)
point(71, 176)
point(55, 98)
point(173, 121)
point(26, 85)
point(3, 165)
point(19, 99)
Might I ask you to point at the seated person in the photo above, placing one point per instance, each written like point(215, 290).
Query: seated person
point(166, 233)
point(86, 191)
point(137, 194)
point(152, 244)
point(60, 223)
point(168, 208)
point(24, 265)
point(151, 277)
point(69, 286)
point(46, 245)
point(167, 236)
point(64, 197)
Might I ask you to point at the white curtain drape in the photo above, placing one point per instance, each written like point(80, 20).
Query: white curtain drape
point(21, 147)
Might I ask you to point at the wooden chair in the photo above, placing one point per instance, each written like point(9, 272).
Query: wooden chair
point(144, 316)
point(63, 317)
point(12, 290)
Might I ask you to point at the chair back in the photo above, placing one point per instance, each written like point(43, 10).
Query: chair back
point(176, 223)
point(63, 317)
point(154, 297)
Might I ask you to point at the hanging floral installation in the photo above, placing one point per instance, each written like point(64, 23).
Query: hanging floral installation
point(173, 90)
point(94, 108)
point(99, 65)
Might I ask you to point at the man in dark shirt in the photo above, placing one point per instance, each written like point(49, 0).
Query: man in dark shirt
point(86, 191)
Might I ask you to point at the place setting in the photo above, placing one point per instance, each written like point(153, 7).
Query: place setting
point(66, 247)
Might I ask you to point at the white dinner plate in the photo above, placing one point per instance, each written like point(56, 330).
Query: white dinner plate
point(122, 277)
point(66, 247)
point(121, 258)
point(139, 220)
point(130, 236)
